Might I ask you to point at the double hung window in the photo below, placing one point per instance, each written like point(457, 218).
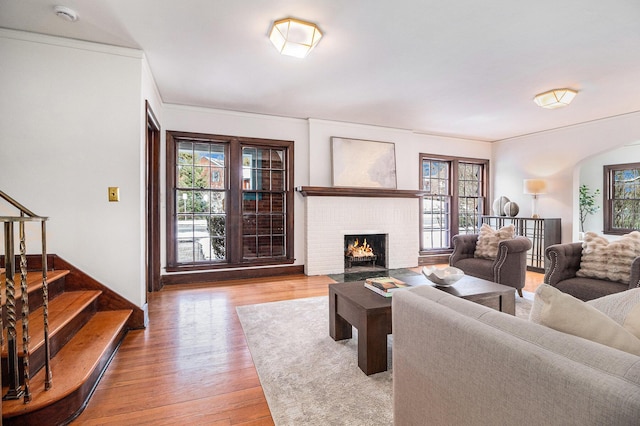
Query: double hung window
point(229, 201)
point(621, 198)
point(456, 198)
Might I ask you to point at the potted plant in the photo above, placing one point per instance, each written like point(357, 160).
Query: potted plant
point(587, 203)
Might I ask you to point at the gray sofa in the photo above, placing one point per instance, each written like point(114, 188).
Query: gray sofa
point(509, 268)
point(459, 363)
point(564, 262)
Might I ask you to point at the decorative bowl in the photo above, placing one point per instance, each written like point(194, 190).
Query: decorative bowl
point(443, 277)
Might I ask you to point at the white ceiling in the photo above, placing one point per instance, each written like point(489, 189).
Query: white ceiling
point(463, 68)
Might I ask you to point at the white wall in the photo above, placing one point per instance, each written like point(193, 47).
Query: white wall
point(554, 156)
point(70, 119)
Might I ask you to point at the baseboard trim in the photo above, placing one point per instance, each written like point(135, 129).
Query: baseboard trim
point(236, 274)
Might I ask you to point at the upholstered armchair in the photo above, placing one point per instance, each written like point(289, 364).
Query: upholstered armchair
point(564, 264)
point(508, 268)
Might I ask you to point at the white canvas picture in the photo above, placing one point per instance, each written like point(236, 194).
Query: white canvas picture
point(363, 164)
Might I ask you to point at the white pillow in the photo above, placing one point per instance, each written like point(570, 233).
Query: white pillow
point(609, 260)
point(623, 308)
point(488, 240)
point(565, 313)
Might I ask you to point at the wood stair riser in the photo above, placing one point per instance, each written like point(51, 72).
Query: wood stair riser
point(57, 339)
point(55, 288)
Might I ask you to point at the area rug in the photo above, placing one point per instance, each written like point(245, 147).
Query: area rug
point(307, 377)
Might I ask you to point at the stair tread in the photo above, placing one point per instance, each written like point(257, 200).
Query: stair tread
point(62, 309)
point(34, 281)
point(73, 364)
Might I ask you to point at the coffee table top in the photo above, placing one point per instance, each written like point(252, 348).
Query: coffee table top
point(466, 287)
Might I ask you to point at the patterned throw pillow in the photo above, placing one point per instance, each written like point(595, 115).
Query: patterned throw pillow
point(488, 240)
point(609, 260)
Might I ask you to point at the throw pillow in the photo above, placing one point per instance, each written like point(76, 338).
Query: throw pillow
point(488, 240)
point(623, 308)
point(609, 260)
point(566, 314)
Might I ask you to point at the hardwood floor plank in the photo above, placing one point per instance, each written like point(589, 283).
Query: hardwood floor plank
point(192, 364)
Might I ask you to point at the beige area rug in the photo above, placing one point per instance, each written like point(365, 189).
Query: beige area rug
point(307, 377)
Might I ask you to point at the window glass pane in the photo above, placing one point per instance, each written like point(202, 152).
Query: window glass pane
point(264, 225)
point(277, 246)
point(250, 247)
point(277, 224)
point(277, 159)
point(277, 203)
point(185, 153)
point(249, 203)
point(201, 202)
point(277, 181)
point(264, 246)
point(249, 224)
point(218, 202)
point(217, 225)
point(264, 203)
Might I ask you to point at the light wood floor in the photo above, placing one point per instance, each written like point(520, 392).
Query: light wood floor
point(192, 364)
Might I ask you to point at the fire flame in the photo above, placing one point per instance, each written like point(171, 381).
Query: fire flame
point(359, 250)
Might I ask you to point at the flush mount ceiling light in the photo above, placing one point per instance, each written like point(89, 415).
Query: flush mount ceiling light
point(294, 37)
point(555, 98)
point(66, 13)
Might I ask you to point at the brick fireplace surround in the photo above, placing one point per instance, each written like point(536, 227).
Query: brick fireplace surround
point(330, 218)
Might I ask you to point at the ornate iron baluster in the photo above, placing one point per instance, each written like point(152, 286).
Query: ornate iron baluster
point(48, 381)
point(25, 313)
point(15, 389)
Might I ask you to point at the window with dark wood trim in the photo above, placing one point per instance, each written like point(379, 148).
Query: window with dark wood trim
point(621, 211)
point(457, 190)
point(229, 201)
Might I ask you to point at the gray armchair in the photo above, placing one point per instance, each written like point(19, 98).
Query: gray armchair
point(565, 262)
point(509, 268)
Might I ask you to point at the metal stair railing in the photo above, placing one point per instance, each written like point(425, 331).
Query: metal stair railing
point(19, 385)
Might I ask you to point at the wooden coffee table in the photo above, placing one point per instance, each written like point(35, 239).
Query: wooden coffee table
point(352, 304)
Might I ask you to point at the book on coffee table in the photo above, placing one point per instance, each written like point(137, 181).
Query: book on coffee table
point(385, 286)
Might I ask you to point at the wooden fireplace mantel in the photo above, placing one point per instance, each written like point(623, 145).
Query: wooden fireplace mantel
point(325, 191)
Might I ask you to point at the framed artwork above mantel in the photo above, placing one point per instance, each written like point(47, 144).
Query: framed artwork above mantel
point(358, 163)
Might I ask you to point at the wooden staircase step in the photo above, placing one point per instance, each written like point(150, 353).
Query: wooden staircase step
point(67, 314)
point(76, 370)
point(34, 284)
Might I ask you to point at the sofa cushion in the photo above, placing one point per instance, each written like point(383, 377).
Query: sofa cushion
point(489, 238)
point(609, 260)
point(565, 313)
point(590, 288)
point(623, 308)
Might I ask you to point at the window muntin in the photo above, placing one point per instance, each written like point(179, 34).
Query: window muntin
point(228, 201)
point(455, 201)
point(622, 198)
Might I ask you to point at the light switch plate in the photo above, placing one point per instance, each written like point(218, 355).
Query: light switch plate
point(114, 193)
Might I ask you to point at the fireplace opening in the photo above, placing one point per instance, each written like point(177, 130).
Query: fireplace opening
point(365, 252)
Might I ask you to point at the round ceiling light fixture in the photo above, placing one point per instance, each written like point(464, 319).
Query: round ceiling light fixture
point(66, 13)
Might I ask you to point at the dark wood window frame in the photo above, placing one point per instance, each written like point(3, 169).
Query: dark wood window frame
point(608, 198)
point(234, 207)
point(453, 178)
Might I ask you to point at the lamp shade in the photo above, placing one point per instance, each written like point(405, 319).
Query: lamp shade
point(294, 37)
point(535, 186)
point(555, 98)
